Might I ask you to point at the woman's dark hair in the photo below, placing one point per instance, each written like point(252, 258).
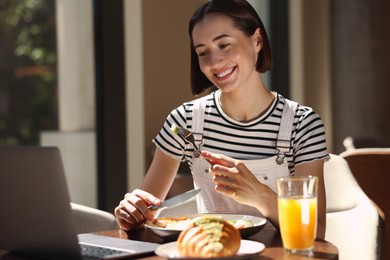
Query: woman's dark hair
point(245, 18)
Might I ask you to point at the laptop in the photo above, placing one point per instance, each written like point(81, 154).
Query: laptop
point(36, 218)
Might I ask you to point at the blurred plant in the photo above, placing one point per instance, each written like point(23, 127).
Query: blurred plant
point(28, 100)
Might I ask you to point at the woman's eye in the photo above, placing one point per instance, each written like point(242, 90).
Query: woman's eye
point(201, 54)
point(223, 46)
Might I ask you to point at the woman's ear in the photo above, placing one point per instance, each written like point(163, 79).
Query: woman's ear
point(258, 39)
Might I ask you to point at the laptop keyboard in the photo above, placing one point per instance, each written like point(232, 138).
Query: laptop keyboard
point(96, 252)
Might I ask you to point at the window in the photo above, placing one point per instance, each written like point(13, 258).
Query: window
point(28, 82)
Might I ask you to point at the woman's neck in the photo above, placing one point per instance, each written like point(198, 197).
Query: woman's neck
point(247, 105)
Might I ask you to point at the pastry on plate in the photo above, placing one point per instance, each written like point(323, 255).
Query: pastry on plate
point(209, 236)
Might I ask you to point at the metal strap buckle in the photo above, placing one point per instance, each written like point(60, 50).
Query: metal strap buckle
point(282, 147)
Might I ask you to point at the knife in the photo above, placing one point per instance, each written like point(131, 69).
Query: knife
point(178, 199)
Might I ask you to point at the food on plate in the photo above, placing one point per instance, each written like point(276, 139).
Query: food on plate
point(241, 223)
point(209, 236)
point(179, 223)
point(170, 223)
point(175, 129)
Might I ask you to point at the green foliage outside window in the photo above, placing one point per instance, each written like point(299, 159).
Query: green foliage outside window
point(28, 83)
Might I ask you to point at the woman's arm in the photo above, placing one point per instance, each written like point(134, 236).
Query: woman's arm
point(133, 210)
point(161, 174)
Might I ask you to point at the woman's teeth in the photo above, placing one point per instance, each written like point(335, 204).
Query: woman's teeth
point(224, 73)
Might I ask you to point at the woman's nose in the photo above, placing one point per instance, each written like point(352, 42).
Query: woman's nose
point(215, 59)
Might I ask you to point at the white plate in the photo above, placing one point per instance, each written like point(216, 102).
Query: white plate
point(247, 249)
point(173, 234)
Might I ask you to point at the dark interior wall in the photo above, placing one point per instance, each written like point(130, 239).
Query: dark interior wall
point(361, 62)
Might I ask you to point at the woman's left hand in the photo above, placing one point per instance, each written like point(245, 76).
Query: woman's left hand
point(234, 179)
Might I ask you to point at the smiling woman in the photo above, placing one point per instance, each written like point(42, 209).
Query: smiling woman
point(248, 135)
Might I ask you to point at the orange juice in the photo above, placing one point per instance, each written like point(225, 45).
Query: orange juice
point(298, 221)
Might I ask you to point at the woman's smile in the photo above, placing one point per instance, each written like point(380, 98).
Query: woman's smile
point(226, 73)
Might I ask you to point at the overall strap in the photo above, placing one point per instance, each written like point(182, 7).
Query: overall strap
point(283, 142)
point(198, 112)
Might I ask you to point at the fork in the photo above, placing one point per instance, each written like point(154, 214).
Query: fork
point(187, 136)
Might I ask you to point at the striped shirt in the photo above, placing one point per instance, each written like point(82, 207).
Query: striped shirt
point(246, 141)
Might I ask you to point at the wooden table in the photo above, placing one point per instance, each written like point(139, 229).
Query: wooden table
point(268, 236)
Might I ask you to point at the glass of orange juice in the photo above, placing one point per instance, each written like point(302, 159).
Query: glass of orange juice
point(297, 210)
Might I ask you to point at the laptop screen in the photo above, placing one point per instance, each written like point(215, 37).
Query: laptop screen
point(36, 217)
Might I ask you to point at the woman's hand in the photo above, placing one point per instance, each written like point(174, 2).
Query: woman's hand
point(234, 179)
point(134, 210)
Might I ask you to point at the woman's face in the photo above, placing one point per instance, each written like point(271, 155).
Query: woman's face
point(226, 55)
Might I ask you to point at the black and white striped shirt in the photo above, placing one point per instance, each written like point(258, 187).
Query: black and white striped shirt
point(246, 141)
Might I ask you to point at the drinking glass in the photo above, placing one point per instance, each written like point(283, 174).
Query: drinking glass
point(297, 210)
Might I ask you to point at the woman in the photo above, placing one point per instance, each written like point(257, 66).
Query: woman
point(248, 134)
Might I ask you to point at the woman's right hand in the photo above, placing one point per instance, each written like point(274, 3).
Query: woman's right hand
point(134, 210)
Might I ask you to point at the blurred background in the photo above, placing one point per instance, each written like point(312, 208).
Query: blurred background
point(97, 78)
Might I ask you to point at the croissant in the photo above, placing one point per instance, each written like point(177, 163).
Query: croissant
point(209, 236)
